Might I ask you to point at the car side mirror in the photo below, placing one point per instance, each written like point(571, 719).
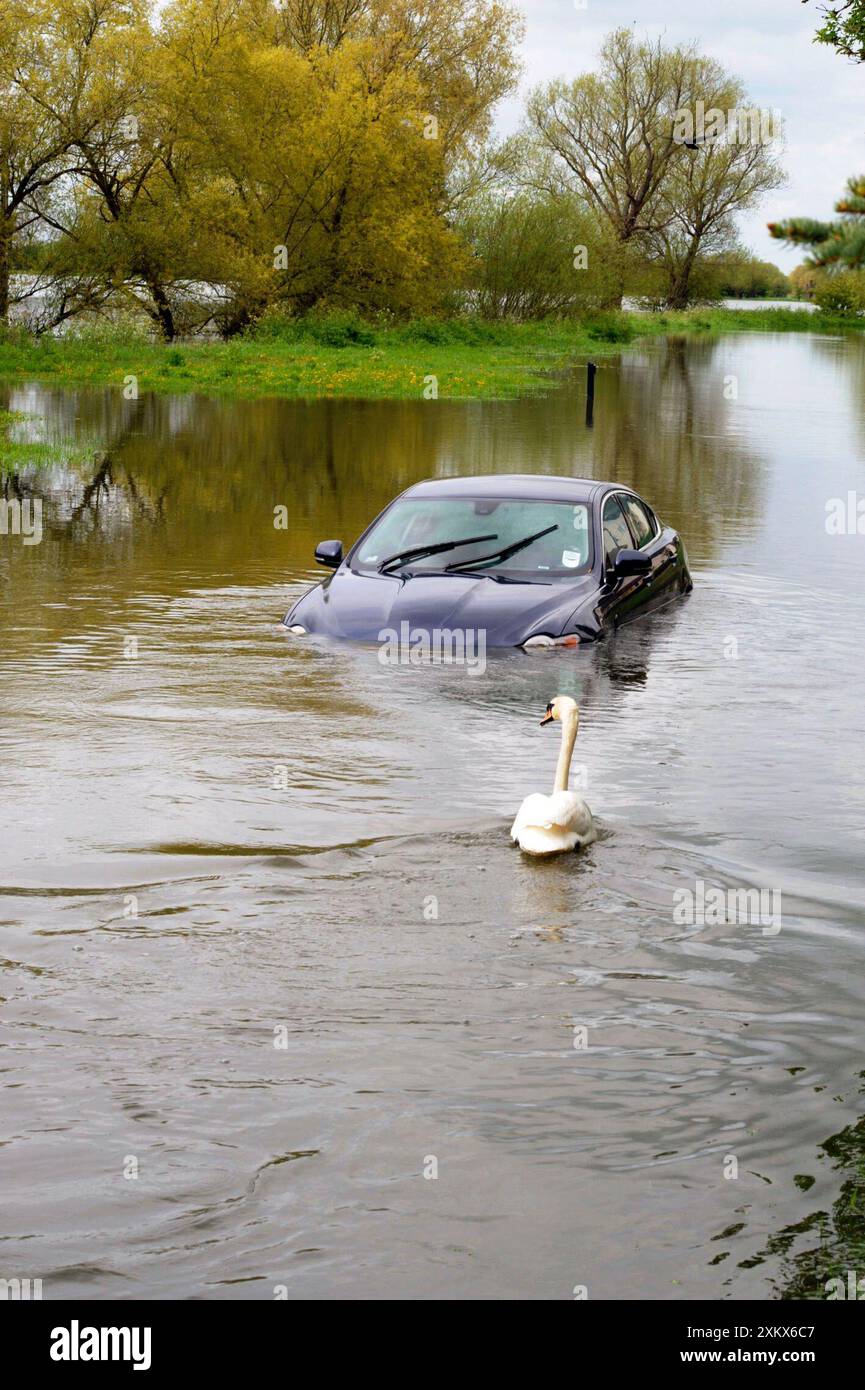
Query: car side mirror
point(329, 553)
point(631, 562)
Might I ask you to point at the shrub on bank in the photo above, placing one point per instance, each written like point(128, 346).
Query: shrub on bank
point(334, 328)
point(347, 329)
point(843, 293)
point(610, 325)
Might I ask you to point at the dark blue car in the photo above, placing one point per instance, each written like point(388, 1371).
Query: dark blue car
point(529, 561)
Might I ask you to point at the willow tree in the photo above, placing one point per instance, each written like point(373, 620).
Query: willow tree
point(33, 143)
point(617, 137)
point(324, 150)
point(91, 81)
point(712, 181)
point(612, 132)
point(462, 54)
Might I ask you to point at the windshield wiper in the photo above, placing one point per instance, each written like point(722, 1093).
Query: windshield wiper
point(468, 565)
point(421, 551)
point(486, 574)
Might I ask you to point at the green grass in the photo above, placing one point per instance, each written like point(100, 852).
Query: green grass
point(14, 454)
point(338, 355)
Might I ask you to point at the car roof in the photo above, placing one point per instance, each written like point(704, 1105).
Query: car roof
point(541, 486)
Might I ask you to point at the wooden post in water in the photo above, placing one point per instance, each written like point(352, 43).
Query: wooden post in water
point(590, 392)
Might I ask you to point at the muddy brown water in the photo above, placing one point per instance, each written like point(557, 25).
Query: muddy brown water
point(267, 959)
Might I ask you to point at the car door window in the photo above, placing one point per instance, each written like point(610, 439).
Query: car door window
point(642, 524)
point(616, 534)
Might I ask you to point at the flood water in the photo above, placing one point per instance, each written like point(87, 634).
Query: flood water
point(267, 956)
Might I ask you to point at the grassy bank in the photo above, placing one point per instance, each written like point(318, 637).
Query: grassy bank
point(340, 356)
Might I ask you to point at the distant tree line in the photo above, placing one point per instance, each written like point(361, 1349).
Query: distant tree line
point(213, 162)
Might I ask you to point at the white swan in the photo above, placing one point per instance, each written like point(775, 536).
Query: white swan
point(553, 824)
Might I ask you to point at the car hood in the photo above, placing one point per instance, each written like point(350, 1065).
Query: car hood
point(363, 606)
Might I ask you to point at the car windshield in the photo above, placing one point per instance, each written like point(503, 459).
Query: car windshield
point(416, 522)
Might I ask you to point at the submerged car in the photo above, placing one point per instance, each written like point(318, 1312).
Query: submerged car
point(527, 560)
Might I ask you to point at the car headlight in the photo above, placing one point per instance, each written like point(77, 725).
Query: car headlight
point(543, 639)
point(297, 630)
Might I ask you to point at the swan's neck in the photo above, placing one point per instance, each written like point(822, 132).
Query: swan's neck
point(566, 752)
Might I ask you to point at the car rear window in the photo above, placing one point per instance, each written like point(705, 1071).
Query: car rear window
point(642, 523)
point(616, 534)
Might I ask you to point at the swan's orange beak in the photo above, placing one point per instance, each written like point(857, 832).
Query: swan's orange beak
point(548, 717)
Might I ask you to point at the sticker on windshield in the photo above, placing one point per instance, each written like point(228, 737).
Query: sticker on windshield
point(581, 519)
point(571, 559)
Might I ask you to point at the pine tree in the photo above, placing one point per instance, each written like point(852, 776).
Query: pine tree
point(838, 245)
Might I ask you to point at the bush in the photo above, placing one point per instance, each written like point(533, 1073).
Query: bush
point(843, 293)
point(332, 328)
point(119, 331)
point(15, 335)
point(610, 326)
point(348, 329)
point(462, 331)
point(434, 331)
point(540, 255)
point(339, 330)
point(274, 326)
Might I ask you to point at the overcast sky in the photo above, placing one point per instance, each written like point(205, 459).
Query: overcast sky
point(768, 44)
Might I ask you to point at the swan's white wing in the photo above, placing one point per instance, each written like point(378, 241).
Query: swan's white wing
point(545, 824)
point(535, 810)
point(571, 813)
